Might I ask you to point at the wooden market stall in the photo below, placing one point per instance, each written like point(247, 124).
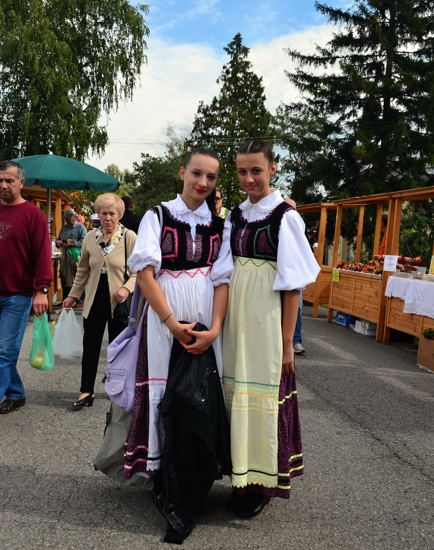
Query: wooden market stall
point(318, 293)
point(361, 295)
point(60, 202)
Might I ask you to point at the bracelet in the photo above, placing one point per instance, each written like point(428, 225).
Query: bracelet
point(165, 319)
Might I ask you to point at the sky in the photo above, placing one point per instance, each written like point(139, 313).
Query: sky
point(185, 56)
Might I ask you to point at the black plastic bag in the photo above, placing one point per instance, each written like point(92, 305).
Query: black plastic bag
point(188, 378)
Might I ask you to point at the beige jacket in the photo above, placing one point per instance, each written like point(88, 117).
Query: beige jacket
point(92, 262)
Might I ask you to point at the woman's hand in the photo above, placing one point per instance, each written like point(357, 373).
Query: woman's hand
point(179, 330)
point(288, 362)
point(69, 302)
point(199, 340)
point(121, 294)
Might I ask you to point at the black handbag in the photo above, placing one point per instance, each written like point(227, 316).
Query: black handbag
point(122, 311)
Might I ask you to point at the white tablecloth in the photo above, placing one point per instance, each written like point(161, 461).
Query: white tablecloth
point(418, 295)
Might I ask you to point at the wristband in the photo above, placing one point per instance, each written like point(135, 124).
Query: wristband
point(165, 319)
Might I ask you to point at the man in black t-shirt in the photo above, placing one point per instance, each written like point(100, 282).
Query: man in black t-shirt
point(130, 220)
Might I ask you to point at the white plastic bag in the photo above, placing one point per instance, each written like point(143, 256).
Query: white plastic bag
point(68, 335)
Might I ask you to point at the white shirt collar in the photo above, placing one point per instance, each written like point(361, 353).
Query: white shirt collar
point(180, 208)
point(264, 205)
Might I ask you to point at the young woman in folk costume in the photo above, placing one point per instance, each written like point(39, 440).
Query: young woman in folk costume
point(272, 262)
point(183, 262)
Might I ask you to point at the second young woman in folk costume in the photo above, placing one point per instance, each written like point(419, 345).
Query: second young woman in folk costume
point(183, 262)
point(273, 261)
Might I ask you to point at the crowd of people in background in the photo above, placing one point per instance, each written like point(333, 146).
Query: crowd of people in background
point(223, 286)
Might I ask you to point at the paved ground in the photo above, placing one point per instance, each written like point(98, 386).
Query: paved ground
point(367, 416)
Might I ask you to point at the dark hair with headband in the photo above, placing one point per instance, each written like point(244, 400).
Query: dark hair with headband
point(257, 146)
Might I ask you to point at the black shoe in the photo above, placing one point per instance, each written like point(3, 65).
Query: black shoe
point(248, 505)
point(10, 405)
point(256, 502)
point(234, 502)
point(86, 401)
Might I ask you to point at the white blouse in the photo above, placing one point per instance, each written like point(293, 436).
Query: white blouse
point(296, 264)
point(147, 250)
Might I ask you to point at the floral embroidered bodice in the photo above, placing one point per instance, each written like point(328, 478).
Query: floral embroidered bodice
point(177, 247)
point(257, 239)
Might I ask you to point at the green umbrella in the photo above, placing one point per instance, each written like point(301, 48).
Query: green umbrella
point(56, 172)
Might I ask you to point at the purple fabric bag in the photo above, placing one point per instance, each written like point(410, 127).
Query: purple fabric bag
point(120, 378)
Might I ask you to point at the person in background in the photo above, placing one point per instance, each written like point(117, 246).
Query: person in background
point(184, 264)
point(70, 237)
point(25, 277)
point(220, 210)
point(101, 273)
point(312, 237)
point(81, 219)
point(95, 221)
point(129, 219)
point(273, 262)
point(298, 338)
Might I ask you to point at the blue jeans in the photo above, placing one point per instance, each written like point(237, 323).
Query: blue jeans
point(298, 325)
point(14, 313)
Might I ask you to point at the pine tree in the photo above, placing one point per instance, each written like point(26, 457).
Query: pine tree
point(156, 179)
point(237, 114)
point(373, 85)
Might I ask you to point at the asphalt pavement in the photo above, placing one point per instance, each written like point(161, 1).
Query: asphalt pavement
point(367, 415)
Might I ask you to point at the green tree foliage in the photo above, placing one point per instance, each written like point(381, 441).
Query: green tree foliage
point(63, 64)
point(156, 179)
point(373, 86)
point(306, 167)
point(417, 229)
point(115, 171)
point(127, 182)
point(237, 114)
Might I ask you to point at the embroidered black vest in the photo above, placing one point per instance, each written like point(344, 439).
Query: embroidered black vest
point(258, 239)
point(177, 243)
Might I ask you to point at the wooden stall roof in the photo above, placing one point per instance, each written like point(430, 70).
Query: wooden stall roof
point(394, 199)
point(419, 193)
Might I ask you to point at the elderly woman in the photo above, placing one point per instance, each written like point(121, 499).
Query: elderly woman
point(100, 274)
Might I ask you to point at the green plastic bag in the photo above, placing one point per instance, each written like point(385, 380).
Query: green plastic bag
point(41, 354)
point(74, 252)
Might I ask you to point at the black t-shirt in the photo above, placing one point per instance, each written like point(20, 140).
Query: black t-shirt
point(131, 221)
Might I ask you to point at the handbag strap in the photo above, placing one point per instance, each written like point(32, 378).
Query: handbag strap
point(125, 256)
point(137, 293)
point(134, 303)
